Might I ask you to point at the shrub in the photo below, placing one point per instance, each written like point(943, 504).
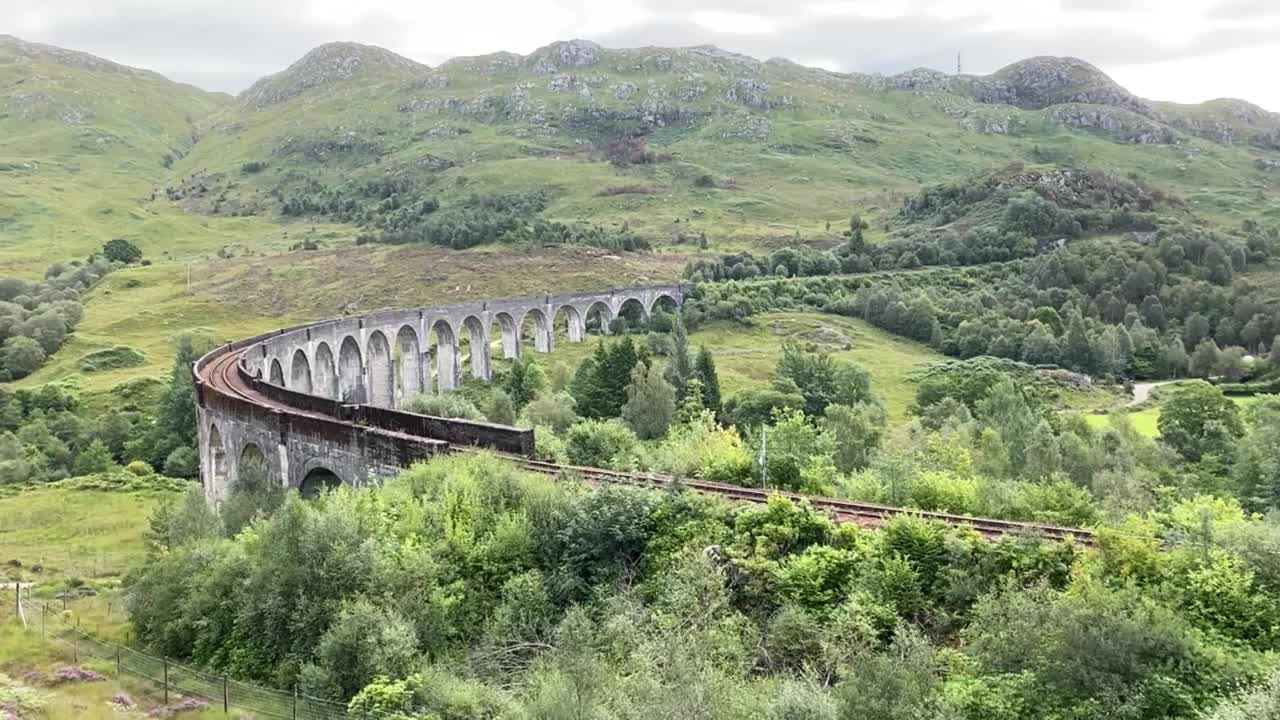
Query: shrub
point(139, 468)
point(704, 449)
point(364, 642)
point(121, 251)
point(1261, 702)
point(20, 357)
point(627, 190)
point(554, 411)
point(601, 443)
point(628, 150)
point(182, 463)
point(500, 409)
point(94, 459)
point(446, 405)
point(121, 356)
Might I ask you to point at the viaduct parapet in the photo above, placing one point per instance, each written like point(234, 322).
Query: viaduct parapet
point(318, 404)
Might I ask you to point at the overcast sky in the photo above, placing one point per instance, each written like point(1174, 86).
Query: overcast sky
point(1184, 50)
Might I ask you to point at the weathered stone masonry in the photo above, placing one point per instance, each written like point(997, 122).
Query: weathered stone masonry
point(328, 392)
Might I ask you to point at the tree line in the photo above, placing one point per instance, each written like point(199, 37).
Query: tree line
point(399, 209)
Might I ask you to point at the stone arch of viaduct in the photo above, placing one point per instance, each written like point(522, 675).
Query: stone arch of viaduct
point(300, 405)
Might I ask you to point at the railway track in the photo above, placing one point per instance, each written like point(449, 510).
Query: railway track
point(221, 374)
point(865, 514)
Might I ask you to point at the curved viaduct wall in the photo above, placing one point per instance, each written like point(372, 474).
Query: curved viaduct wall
point(334, 386)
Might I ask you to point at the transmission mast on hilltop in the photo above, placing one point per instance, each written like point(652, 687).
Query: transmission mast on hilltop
point(958, 63)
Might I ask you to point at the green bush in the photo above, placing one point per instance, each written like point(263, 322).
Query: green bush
point(182, 462)
point(601, 443)
point(446, 405)
point(139, 468)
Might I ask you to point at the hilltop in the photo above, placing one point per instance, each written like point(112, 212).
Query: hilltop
point(328, 63)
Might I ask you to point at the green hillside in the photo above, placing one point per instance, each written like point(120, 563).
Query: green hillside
point(685, 141)
point(84, 145)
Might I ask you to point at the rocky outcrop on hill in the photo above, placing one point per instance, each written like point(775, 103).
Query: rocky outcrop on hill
point(43, 106)
point(562, 55)
point(1225, 121)
point(755, 94)
point(1031, 84)
point(1088, 188)
point(13, 47)
point(1115, 123)
point(1039, 82)
point(711, 52)
point(334, 62)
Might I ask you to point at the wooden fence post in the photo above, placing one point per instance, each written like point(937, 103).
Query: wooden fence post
point(166, 680)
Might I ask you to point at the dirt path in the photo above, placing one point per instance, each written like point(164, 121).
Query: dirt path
point(1142, 391)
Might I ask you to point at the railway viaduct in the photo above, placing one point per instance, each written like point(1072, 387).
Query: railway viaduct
point(315, 405)
point(318, 404)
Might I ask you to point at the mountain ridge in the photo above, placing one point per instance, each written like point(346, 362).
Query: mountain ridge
point(1005, 85)
point(31, 51)
point(1034, 83)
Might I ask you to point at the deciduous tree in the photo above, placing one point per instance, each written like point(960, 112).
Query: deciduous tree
point(650, 402)
point(1198, 420)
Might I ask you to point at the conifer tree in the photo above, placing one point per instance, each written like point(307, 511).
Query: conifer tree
point(614, 375)
point(1077, 352)
point(705, 368)
point(650, 402)
point(525, 381)
point(681, 369)
point(586, 388)
point(691, 407)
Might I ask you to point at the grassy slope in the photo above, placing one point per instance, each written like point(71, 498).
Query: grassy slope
point(1146, 420)
point(745, 357)
point(746, 354)
point(81, 149)
point(146, 309)
point(318, 284)
point(93, 535)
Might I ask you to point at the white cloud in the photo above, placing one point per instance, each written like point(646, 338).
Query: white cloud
point(734, 23)
point(873, 9)
point(824, 63)
point(1236, 73)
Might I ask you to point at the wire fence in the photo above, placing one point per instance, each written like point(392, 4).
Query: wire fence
point(174, 681)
